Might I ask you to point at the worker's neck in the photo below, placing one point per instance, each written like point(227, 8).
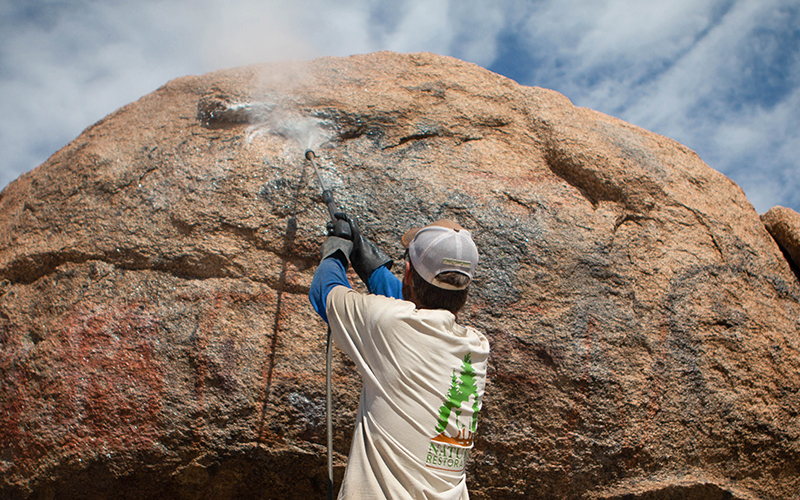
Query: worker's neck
point(410, 296)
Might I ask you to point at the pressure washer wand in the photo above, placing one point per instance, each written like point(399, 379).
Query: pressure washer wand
point(341, 227)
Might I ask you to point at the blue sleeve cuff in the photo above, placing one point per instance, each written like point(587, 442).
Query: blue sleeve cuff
point(329, 274)
point(383, 282)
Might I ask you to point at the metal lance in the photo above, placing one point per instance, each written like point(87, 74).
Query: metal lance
point(341, 227)
point(327, 197)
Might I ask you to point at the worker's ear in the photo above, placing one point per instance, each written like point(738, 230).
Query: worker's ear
point(407, 273)
point(408, 291)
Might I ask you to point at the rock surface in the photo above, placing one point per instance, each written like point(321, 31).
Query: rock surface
point(157, 341)
point(784, 225)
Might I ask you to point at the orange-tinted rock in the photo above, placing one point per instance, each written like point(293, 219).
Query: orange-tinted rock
point(157, 340)
point(784, 225)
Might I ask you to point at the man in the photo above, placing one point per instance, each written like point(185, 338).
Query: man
point(423, 373)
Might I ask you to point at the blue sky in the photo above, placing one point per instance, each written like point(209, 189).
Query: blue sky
point(720, 76)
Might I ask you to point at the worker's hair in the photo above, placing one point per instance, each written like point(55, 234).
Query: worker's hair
point(433, 297)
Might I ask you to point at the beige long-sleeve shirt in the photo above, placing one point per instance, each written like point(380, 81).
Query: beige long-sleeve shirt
point(423, 381)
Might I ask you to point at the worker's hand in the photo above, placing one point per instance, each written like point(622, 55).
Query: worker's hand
point(366, 256)
point(340, 248)
point(340, 227)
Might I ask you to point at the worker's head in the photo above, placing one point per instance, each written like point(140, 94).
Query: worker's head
point(441, 264)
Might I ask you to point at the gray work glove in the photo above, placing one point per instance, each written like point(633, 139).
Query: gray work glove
point(340, 248)
point(366, 256)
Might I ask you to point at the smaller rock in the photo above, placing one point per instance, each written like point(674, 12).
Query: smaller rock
point(784, 226)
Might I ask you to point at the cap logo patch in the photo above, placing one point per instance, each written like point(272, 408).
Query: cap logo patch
point(457, 263)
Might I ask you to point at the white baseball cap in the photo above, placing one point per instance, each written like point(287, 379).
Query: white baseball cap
point(440, 247)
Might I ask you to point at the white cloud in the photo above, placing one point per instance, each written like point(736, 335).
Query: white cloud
point(643, 30)
point(421, 28)
point(604, 52)
point(703, 101)
point(242, 32)
point(63, 70)
point(762, 145)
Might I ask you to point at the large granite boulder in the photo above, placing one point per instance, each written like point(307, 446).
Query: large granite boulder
point(157, 342)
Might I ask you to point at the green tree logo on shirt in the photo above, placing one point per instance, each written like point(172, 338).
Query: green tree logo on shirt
point(462, 388)
point(450, 453)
